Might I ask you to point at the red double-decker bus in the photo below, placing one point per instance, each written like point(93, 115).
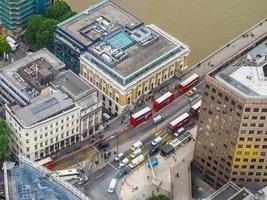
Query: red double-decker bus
point(178, 122)
point(141, 116)
point(188, 83)
point(163, 101)
point(195, 108)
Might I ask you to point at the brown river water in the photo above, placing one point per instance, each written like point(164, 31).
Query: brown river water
point(204, 25)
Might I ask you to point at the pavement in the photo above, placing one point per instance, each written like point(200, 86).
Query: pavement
point(138, 185)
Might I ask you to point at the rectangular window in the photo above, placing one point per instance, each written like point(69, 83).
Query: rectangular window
point(256, 110)
point(247, 109)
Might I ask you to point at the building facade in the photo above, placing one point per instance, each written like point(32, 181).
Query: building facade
point(48, 108)
point(15, 13)
point(123, 58)
point(231, 144)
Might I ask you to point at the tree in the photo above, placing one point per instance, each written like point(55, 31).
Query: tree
point(32, 28)
point(67, 16)
point(40, 28)
point(5, 150)
point(4, 46)
point(158, 197)
point(57, 10)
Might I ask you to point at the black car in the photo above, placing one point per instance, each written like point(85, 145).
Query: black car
point(103, 145)
point(122, 172)
point(153, 150)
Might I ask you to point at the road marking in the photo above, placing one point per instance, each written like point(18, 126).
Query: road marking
point(100, 175)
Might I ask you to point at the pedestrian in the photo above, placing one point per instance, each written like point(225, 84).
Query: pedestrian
point(147, 177)
point(177, 175)
point(144, 195)
point(157, 189)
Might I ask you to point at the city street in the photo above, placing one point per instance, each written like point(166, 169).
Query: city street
point(99, 181)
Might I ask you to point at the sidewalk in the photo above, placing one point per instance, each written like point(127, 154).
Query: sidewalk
point(178, 188)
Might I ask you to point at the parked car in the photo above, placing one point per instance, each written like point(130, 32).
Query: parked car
point(103, 145)
point(82, 180)
point(124, 162)
point(154, 162)
point(191, 92)
point(154, 150)
point(136, 145)
point(157, 119)
point(179, 132)
point(135, 153)
point(119, 156)
point(156, 141)
point(122, 172)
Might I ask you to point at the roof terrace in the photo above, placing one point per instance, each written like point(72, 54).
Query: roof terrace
point(247, 74)
point(97, 21)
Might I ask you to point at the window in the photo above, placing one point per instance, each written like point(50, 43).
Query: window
point(207, 86)
point(262, 117)
point(256, 110)
point(245, 117)
point(264, 110)
point(253, 125)
point(213, 90)
point(247, 109)
point(254, 117)
point(261, 124)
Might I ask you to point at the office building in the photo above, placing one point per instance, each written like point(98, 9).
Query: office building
point(47, 108)
point(232, 135)
point(15, 13)
point(123, 58)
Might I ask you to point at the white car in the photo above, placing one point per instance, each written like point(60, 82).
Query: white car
point(156, 141)
point(119, 156)
point(124, 162)
point(82, 180)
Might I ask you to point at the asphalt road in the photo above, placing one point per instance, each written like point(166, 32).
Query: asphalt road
point(99, 181)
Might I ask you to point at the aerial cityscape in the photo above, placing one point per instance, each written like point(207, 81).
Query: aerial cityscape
point(133, 100)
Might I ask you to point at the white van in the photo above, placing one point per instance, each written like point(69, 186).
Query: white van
point(179, 132)
point(136, 145)
point(136, 161)
point(112, 185)
point(157, 119)
point(136, 153)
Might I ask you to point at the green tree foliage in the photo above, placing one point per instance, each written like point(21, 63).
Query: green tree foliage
point(40, 29)
point(57, 10)
point(4, 46)
point(158, 197)
point(5, 150)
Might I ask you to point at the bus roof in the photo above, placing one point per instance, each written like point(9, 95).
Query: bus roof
point(141, 112)
point(44, 161)
point(189, 80)
point(163, 97)
point(196, 105)
point(179, 119)
point(67, 172)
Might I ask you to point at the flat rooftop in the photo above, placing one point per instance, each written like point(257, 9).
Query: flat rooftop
point(44, 108)
point(126, 55)
point(73, 85)
point(245, 74)
point(27, 181)
point(85, 27)
point(28, 75)
point(230, 192)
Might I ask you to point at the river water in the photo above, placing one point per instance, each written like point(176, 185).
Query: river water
point(204, 25)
